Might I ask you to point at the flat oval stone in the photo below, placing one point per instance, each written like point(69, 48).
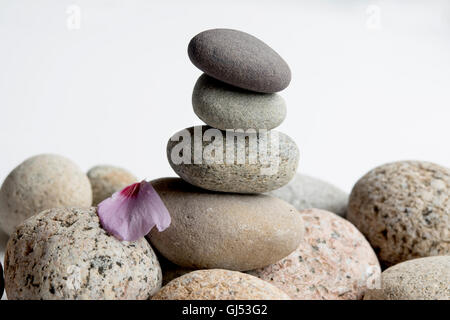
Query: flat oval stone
point(333, 261)
point(239, 59)
point(217, 284)
point(226, 107)
point(245, 168)
point(305, 192)
point(65, 254)
point(418, 279)
point(223, 230)
point(403, 209)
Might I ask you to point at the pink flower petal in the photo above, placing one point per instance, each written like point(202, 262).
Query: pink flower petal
point(130, 214)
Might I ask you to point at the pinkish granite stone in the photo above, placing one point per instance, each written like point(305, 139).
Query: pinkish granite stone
point(334, 261)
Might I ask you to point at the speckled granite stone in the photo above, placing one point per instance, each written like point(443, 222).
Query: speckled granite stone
point(217, 284)
point(227, 231)
point(418, 279)
point(305, 192)
point(403, 208)
point(106, 180)
point(334, 261)
point(239, 59)
point(226, 107)
point(65, 254)
point(243, 175)
point(42, 182)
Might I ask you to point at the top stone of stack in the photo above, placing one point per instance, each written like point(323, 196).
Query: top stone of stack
point(239, 59)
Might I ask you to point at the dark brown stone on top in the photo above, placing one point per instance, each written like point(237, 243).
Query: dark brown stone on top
point(239, 59)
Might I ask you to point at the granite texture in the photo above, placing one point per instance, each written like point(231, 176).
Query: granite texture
point(42, 182)
point(239, 59)
point(403, 208)
point(106, 180)
point(65, 254)
point(217, 284)
point(418, 279)
point(333, 262)
point(305, 192)
point(226, 107)
point(218, 171)
point(227, 231)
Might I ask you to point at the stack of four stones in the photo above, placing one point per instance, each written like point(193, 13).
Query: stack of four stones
point(220, 219)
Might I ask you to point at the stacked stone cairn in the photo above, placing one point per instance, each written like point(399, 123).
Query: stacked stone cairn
point(220, 218)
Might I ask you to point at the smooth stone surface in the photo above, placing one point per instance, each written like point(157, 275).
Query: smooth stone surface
point(239, 59)
point(227, 231)
point(217, 284)
point(333, 261)
point(305, 192)
point(65, 254)
point(106, 180)
point(418, 279)
point(242, 175)
point(42, 182)
point(403, 208)
point(226, 107)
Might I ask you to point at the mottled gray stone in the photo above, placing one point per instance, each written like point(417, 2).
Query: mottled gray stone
point(239, 59)
point(226, 107)
point(403, 208)
point(65, 254)
point(218, 172)
point(42, 182)
point(224, 230)
point(418, 279)
point(305, 192)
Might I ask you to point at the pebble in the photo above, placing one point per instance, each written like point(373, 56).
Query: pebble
point(305, 192)
point(333, 262)
point(418, 279)
point(65, 254)
point(42, 182)
point(226, 231)
point(403, 208)
point(218, 172)
point(239, 59)
point(226, 107)
point(217, 284)
point(106, 180)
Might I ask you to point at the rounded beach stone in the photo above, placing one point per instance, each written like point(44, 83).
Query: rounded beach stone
point(42, 182)
point(65, 254)
point(217, 284)
point(239, 59)
point(403, 208)
point(238, 163)
point(226, 107)
point(223, 230)
point(305, 192)
point(106, 180)
point(418, 279)
point(333, 261)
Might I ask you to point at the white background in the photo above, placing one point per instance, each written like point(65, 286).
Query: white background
point(371, 79)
